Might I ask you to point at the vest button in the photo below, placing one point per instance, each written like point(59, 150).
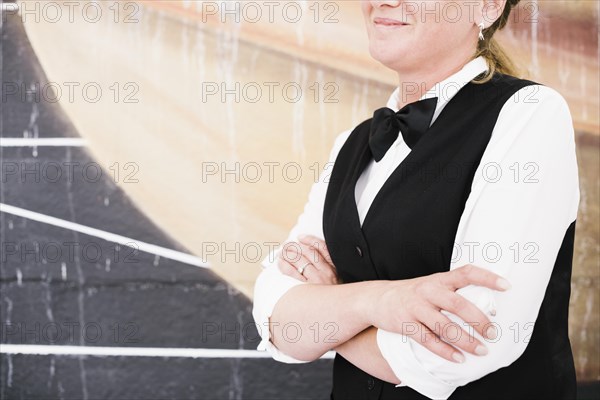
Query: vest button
point(370, 383)
point(359, 251)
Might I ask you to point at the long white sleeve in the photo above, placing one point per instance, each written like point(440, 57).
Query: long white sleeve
point(271, 283)
point(524, 196)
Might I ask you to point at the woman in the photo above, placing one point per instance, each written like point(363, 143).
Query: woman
point(401, 261)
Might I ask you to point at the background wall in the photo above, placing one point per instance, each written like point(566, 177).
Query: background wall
point(223, 166)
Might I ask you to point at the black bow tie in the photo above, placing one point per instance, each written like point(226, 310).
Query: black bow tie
point(412, 120)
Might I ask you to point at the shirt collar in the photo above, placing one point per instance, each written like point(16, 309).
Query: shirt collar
point(447, 88)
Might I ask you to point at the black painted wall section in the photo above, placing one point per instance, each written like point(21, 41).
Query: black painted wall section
point(65, 288)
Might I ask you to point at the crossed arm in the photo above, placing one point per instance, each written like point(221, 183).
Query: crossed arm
point(344, 316)
point(362, 351)
point(513, 210)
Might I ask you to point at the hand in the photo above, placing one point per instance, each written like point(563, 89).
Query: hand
point(412, 307)
point(312, 253)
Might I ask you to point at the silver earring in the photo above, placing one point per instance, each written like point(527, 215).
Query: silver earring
point(481, 27)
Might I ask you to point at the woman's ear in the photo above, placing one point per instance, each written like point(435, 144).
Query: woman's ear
point(492, 10)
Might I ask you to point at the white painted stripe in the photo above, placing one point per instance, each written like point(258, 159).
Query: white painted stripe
point(9, 7)
point(136, 351)
point(42, 142)
point(111, 237)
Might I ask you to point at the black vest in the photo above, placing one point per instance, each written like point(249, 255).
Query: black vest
point(409, 231)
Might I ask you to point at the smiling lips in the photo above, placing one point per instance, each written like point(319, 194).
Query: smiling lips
point(388, 22)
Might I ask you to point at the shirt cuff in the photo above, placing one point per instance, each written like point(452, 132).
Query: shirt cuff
point(270, 286)
point(397, 351)
point(276, 354)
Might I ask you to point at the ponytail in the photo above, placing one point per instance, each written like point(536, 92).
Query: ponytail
point(489, 48)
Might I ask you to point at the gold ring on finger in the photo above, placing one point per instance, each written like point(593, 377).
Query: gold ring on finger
point(301, 269)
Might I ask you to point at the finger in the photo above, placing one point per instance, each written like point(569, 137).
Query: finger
point(310, 272)
point(433, 343)
point(288, 269)
point(293, 251)
point(323, 259)
point(451, 332)
point(318, 244)
point(312, 255)
point(319, 270)
point(327, 271)
point(472, 275)
point(463, 308)
point(325, 275)
point(310, 239)
point(317, 259)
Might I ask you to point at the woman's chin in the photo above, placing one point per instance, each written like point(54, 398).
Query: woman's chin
point(394, 59)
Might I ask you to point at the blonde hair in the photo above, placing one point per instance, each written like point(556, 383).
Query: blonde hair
point(497, 59)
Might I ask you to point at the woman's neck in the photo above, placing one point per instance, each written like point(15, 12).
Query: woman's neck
point(414, 84)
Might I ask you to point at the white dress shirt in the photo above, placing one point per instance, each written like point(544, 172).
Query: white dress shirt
point(524, 196)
